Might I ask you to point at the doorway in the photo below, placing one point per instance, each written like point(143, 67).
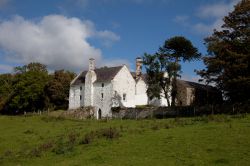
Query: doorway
point(99, 114)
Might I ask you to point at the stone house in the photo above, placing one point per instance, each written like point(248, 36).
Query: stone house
point(107, 87)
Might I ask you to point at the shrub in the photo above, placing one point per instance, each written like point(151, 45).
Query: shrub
point(28, 131)
point(62, 147)
point(88, 138)
point(110, 133)
point(36, 152)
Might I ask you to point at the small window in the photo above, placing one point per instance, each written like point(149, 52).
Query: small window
point(102, 95)
point(80, 87)
point(80, 97)
point(102, 84)
point(124, 96)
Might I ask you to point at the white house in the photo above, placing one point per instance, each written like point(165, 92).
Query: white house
point(107, 87)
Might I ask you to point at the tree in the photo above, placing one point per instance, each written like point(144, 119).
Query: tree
point(164, 67)
point(177, 49)
point(57, 89)
point(159, 74)
point(6, 90)
point(28, 88)
point(227, 64)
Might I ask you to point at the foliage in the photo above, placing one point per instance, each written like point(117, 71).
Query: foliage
point(57, 89)
point(156, 66)
point(6, 92)
point(177, 49)
point(164, 67)
point(30, 88)
point(227, 64)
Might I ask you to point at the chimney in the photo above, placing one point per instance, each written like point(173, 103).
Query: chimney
point(138, 67)
point(91, 64)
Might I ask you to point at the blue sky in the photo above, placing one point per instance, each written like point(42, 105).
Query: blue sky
point(66, 33)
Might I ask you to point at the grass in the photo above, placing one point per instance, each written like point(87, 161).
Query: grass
point(46, 140)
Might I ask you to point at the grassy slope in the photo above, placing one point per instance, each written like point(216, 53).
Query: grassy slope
point(195, 141)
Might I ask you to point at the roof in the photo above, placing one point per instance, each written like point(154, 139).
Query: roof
point(142, 76)
point(103, 74)
point(194, 85)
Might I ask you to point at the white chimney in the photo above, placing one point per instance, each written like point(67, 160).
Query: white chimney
point(91, 64)
point(138, 71)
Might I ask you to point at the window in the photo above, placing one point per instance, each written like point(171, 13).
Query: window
point(102, 95)
point(102, 84)
point(80, 87)
point(80, 97)
point(124, 96)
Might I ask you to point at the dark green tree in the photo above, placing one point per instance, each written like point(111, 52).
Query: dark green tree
point(57, 89)
point(28, 88)
point(177, 49)
point(6, 89)
point(227, 64)
point(159, 74)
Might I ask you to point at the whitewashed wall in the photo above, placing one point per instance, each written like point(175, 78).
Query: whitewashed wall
point(141, 97)
point(103, 103)
point(74, 96)
point(124, 83)
point(89, 89)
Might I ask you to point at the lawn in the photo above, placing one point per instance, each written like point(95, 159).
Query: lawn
point(44, 140)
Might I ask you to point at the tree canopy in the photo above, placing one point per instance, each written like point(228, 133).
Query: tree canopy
point(164, 67)
point(31, 88)
point(227, 64)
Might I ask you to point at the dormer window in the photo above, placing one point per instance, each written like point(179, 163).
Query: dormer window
point(102, 84)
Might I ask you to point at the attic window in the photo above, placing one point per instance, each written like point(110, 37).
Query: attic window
point(124, 96)
point(102, 84)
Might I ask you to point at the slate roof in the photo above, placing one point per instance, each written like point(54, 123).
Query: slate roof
point(103, 74)
point(194, 85)
point(143, 76)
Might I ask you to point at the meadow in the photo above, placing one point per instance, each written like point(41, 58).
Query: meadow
point(48, 140)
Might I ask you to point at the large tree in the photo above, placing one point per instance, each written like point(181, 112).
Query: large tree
point(164, 67)
point(227, 64)
point(57, 89)
point(177, 49)
point(28, 88)
point(159, 73)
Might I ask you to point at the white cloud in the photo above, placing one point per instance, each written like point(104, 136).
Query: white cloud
point(108, 37)
point(216, 12)
point(182, 19)
point(212, 13)
point(55, 40)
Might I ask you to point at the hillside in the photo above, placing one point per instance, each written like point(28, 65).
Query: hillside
point(43, 140)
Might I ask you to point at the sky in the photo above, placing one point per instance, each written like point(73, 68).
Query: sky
point(64, 34)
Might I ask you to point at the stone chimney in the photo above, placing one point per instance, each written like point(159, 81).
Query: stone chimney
point(138, 71)
point(91, 64)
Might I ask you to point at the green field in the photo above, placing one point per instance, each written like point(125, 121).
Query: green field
point(43, 140)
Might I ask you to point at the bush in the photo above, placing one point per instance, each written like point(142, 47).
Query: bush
point(110, 133)
point(88, 138)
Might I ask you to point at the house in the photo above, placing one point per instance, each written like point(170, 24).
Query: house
point(107, 87)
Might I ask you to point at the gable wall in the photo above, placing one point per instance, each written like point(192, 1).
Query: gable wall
point(141, 97)
point(74, 96)
point(124, 83)
point(103, 103)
